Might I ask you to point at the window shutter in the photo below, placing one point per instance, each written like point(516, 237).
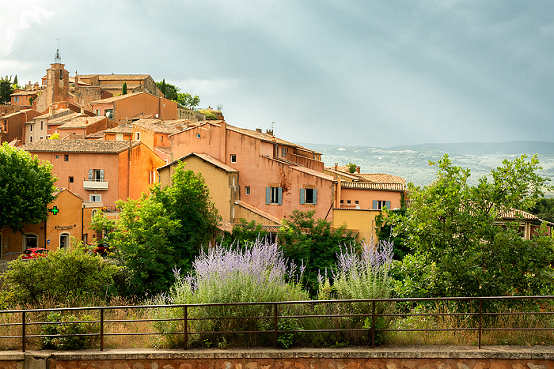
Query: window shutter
point(280, 195)
point(101, 174)
point(374, 204)
point(315, 196)
point(268, 195)
point(388, 204)
point(90, 175)
point(302, 196)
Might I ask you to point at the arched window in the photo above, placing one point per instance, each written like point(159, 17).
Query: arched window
point(64, 241)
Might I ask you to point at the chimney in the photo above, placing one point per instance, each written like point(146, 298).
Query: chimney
point(259, 130)
point(336, 166)
point(358, 170)
point(269, 131)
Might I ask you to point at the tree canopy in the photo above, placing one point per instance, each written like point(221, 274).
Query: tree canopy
point(461, 247)
point(26, 187)
point(172, 92)
point(6, 89)
point(164, 231)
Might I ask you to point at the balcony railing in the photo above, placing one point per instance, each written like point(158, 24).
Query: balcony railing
point(95, 184)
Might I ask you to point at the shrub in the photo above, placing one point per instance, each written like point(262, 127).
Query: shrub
point(67, 277)
point(68, 332)
point(257, 273)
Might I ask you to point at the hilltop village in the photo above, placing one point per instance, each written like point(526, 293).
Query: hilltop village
point(111, 146)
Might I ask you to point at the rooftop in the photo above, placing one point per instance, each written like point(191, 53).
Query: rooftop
point(81, 122)
point(80, 146)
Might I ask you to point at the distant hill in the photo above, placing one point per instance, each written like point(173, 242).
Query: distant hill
point(412, 161)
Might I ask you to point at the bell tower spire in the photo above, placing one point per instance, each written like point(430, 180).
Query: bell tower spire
point(58, 58)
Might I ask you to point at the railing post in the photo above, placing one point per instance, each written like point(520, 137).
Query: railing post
point(23, 338)
point(480, 320)
point(101, 329)
point(185, 327)
point(275, 324)
point(373, 324)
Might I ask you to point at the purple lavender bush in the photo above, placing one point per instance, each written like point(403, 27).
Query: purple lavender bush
point(255, 273)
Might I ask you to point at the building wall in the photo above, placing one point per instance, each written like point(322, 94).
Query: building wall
point(223, 186)
point(67, 221)
point(142, 168)
point(13, 126)
point(362, 221)
point(257, 169)
point(78, 165)
point(137, 105)
point(366, 197)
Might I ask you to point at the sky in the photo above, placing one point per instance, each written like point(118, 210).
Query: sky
point(346, 72)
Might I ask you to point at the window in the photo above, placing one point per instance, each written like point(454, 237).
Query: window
point(138, 136)
point(70, 179)
point(31, 128)
point(47, 137)
point(96, 175)
point(31, 240)
point(97, 112)
point(247, 190)
point(109, 113)
point(378, 204)
point(56, 156)
point(308, 196)
point(233, 158)
point(95, 198)
point(152, 176)
point(41, 125)
point(356, 202)
point(274, 195)
point(283, 152)
point(342, 201)
point(66, 157)
point(348, 201)
point(30, 138)
point(16, 98)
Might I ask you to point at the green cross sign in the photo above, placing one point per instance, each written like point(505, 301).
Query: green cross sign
point(55, 210)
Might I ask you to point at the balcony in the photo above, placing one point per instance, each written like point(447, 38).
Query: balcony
point(95, 184)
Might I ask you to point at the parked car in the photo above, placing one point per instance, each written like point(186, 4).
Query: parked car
point(102, 249)
point(34, 252)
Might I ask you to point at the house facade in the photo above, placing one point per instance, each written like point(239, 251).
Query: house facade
point(65, 220)
point(100, 171)
point(275, 176)
point(134, 106)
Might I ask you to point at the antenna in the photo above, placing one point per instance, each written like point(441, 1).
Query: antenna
point(58, 58)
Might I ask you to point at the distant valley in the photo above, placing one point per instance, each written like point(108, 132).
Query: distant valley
point(412, 162)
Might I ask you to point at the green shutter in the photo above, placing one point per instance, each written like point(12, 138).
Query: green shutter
point(374, 204)
point(280, 195)
point(302, 196)
point(387, 204)
point(315, 196)
point(268, 195)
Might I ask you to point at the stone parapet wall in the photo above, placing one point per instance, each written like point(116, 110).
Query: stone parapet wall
point(404, 358)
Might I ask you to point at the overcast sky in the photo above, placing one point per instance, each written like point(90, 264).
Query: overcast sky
point(360, 72)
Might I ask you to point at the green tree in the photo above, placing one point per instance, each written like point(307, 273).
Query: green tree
point(352, 167)
point(26, 185)
point(124, 89)
point(164, 231)
point(188, 100)
point(172, 92)
point(6, 89)
point(544, 209)
point(67, 277)
point(313, 243)
point(459, 247)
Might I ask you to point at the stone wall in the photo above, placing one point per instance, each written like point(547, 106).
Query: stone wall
point(348, 358)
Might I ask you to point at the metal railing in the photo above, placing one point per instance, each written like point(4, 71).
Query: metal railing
point(372, 310)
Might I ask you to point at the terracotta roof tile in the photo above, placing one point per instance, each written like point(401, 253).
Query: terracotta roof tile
point(116, 98)
point(81, 122)
point(80, 146)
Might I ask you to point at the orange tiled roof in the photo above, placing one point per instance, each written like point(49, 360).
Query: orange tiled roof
point(116, 77)
point(81, 122)
point(117, 98)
